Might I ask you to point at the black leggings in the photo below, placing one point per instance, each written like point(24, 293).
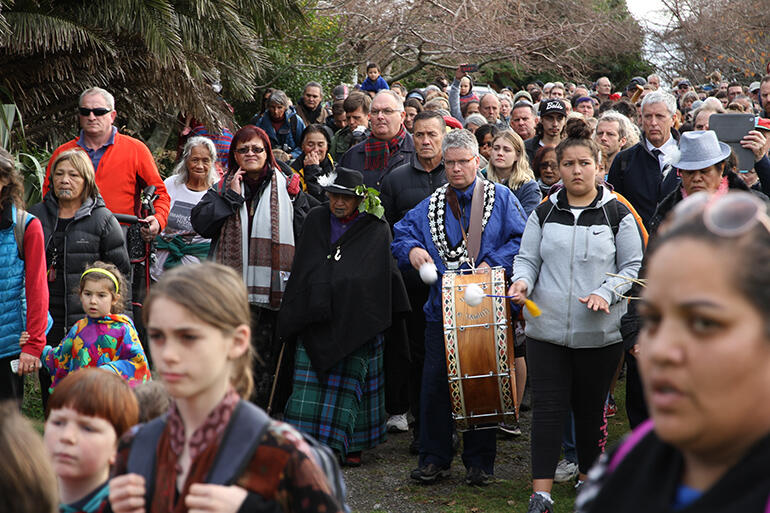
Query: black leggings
point(562, 378)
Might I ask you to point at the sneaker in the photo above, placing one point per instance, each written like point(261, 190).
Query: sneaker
point(477, 477)
point(610, 408)
point(578, 486)
point(397, 424)
point(509, 430)
point(430, 473)
point(565, 471)
point(539, 504)
point(352, 459)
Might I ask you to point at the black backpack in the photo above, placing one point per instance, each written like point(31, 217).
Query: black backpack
point(239, 443)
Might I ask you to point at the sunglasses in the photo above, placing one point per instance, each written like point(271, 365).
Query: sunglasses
point(98, 112)
point(246, 149)
point(729, 215)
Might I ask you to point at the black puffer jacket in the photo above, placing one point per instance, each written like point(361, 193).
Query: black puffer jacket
point(94, 234)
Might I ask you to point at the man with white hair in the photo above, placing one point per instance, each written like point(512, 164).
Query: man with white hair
point(489, 107)
point(416, 243)
point(603, 89)
point(388, 146)
point(654, 81)
point(643, 173)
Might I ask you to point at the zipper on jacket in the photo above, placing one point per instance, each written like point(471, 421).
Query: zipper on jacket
point(571, 273)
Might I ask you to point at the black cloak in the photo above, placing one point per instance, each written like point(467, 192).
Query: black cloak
point(341, 295)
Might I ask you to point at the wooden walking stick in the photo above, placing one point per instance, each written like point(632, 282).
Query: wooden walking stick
point(275, 379)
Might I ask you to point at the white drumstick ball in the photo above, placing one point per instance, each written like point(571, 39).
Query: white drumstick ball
point(428, 273)
point(473, 295)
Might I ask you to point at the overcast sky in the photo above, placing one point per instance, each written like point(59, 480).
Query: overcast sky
point(646, 11)
point(650, 16)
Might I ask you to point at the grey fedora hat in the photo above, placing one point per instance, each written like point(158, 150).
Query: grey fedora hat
point(699, 150)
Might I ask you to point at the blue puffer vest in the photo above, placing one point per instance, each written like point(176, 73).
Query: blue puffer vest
point(13, 303)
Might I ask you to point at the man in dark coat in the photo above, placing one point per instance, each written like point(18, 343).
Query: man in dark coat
point(642, 173)
point(389, 144)
point(402, 190)
point(343, 293)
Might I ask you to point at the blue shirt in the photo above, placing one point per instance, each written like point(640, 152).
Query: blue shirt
point(97, 154)
point(499, 240)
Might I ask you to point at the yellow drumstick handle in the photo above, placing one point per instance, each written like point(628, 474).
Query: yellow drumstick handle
point(532, 308)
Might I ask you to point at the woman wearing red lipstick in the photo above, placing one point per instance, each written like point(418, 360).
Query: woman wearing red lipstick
point(704, 355)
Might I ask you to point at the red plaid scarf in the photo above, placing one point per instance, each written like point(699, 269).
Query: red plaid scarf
point(378, 151)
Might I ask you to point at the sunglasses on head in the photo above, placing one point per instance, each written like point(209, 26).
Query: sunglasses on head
point(99, 111)
point(729, 215)
point(246, 149)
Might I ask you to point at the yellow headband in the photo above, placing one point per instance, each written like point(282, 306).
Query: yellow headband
point(104, 272)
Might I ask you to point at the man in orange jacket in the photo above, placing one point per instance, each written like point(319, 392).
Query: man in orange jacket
point(123, 165)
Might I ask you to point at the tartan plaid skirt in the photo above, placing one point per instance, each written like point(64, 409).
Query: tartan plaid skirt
point(345, 411)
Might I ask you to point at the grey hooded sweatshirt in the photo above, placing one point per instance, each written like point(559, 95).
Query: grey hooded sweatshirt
point(567, 254)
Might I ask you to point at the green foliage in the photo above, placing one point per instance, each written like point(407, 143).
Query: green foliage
point(30, 160)
point(302, 53)
point(371, 203)
point(156, 56)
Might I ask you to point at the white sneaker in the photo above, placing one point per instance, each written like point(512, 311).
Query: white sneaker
point(397, 424)
point(565, 471)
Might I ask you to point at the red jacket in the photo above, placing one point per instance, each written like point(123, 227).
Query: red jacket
point(125, 168)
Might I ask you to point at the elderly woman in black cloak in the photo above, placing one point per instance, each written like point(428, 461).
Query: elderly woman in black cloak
point(343, 293)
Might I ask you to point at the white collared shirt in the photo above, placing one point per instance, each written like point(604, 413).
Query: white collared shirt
point(667, 149)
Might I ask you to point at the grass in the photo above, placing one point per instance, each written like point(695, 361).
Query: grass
point(513, 495)
point(32, 407)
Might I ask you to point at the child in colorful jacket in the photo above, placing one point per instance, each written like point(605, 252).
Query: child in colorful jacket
point(105, 338)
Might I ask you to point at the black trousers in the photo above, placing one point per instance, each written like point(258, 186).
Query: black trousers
point(636, 407)
point(563, 378)
point(11, 384)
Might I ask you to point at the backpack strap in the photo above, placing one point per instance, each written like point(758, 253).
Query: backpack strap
point(542, 219)
point(19, 227)
point(613, 216)
point(239, 442)
point(141, 459)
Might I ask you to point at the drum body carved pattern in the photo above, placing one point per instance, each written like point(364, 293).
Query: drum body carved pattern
point(478, 341)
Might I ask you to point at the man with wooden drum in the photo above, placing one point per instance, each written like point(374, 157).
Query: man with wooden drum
point(468, 223)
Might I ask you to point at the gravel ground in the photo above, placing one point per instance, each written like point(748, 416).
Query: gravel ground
point(382, 482)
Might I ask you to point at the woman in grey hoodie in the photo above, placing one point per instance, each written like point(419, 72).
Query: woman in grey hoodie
point(580, 250)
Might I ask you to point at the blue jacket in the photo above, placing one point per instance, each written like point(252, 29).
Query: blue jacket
point(529, 196)
point(13, 305)
point(380, 84)
point(286, 139)
point(499, 241)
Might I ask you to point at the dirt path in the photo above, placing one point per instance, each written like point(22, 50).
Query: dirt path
point(382, 483)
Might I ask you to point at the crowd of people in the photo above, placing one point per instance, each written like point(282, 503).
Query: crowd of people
point(293, 267)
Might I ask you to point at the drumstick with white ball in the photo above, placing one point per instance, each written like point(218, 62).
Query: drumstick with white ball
point(474, 294)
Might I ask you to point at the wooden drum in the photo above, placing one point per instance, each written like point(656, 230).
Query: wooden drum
point(479, 350)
